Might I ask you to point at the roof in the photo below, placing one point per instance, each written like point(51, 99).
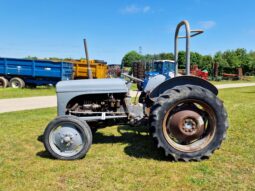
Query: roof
point(164, 61)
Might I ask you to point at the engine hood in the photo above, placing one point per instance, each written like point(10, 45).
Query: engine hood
point(92, 86)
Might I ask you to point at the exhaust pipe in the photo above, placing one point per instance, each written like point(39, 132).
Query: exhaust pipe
point(87, 58)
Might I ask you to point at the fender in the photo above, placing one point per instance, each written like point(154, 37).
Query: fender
point(179, 81)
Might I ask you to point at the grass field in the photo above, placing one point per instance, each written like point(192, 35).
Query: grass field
point(26, 92)
point(125, 158)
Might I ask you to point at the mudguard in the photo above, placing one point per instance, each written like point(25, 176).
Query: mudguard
point(179, 81)
point(154, 82)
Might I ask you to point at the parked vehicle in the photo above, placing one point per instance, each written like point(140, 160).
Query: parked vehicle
point(195, 71)
point(114, 70)
point(186, 118)
point(145, 71)
point(99, 69)
point(18, 73)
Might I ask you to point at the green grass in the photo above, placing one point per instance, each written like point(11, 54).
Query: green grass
point(125, 158)
point(134, 87)
point(25, 92)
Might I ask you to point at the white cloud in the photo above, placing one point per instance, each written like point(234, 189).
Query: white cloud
point(146, 9)
point(130, 9)
point(207, 24)
point(133, 9)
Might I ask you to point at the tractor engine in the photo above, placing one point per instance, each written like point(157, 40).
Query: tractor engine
point(95, 103)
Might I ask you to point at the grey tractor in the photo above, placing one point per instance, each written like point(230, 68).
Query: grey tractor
point(186, 118)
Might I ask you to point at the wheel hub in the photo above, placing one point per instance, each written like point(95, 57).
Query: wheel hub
point(66, 140)
point(15, 84)
point(186, 125)
point(189, 126)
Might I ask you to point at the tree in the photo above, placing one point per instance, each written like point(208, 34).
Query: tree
point(251, 65)
point(244, 58)
point(131, 57)
point(166, 56)
point(31, 58)
point(161, 56)
point(218, 59)
point(232, 59)
point(148, 58)
point(228, 61)
point(207, 63)
point(196, 59)
point(181, 59)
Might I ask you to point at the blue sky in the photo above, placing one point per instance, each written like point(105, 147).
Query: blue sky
point(55, 28)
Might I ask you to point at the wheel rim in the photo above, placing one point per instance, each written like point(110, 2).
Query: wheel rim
point(15, 84)
point(66, 139)
point(189, 125)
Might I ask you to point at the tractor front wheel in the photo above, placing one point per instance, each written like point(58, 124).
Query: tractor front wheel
point(67, 138)
point(188, 122)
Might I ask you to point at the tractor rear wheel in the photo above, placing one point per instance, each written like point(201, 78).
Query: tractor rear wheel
point(188, 122)
point(67, 138)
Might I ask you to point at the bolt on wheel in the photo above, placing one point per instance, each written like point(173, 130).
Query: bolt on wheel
point(188, 122)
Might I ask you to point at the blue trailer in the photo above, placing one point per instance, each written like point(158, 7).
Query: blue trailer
point(18, 73)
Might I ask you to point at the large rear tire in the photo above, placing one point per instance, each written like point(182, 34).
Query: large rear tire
point(3, 82)
point(188, 122)
point(17, 83)
point(67, 138)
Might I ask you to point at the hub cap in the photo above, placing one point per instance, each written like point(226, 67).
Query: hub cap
point(189, 125)
point(66, 140)
point(15, 84)
point(186, 125)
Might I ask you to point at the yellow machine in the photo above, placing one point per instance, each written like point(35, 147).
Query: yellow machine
point(99, 69)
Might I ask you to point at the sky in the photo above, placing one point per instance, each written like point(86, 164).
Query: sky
point(56, 28)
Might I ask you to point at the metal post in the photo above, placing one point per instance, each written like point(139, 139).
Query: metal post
point(187, 37)
point(187, 27)
point(87, 58)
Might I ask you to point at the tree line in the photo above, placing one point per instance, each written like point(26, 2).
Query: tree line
point(228, 61)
